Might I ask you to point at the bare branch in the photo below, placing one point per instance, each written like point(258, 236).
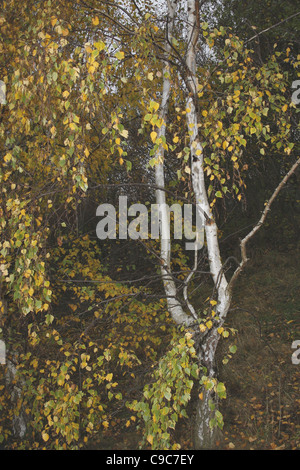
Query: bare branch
point(259, 224)
point(273, 26)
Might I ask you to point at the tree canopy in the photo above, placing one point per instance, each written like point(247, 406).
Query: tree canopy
point(163, 103)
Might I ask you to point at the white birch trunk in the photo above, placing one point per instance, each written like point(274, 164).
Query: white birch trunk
point(174, 306)
point(204, 436)
point(198, 179)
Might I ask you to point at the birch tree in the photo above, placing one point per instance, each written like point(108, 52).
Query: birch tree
point(77, 73)
point(206, 340)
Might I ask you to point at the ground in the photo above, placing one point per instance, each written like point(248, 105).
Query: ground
point(261, 410)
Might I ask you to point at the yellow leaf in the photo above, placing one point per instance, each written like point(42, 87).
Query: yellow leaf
point(225, 144)
point(91, 69)
point(95, 21)
point(124, 133)
point(45, 436)
point(88, 49)
point(150, 439)
point(35, 363)
point(7, 157)
point(153, 136)
point(99, 45)
point(154, 105)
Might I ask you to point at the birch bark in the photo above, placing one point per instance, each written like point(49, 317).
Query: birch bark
point(204, 435)
point(174, 306)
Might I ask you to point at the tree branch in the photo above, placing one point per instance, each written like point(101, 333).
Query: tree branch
point(261, 221)
point(273, 26)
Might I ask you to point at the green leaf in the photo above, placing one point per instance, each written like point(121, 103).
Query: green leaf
point(221, 390)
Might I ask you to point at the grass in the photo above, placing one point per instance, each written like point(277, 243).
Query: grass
point(262, 408)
